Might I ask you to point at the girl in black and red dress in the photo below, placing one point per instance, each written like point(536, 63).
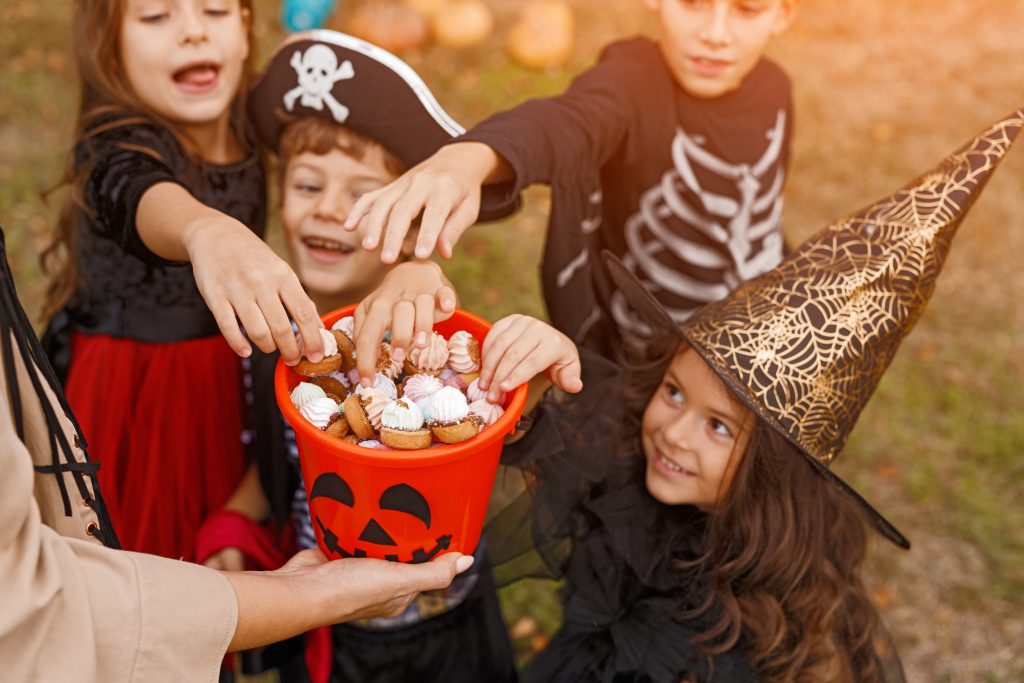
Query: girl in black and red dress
point(164, 262)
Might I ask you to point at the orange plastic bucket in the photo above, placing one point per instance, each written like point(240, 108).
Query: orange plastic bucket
point(403, 506)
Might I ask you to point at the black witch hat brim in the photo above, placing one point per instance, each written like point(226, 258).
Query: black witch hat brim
point(653, 314)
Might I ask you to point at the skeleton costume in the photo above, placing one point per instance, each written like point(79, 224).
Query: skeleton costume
point(687, 191)
point(456, 634)
point(155, 386)
point(803, 347)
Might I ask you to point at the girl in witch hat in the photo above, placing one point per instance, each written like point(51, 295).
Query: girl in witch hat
point(712, 542)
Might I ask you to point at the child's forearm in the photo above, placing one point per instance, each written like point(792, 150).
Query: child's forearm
point(169, 219)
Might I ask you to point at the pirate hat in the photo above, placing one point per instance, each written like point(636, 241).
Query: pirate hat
point(805, 345)
point(355, 84)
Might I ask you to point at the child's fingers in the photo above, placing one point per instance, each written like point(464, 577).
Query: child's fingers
point(300, 308)
point(446, 301)
point(503, 334)
point(437, 211)
point(369, 334)
point(376, 217)
point(403, 213)
point(458, 222)
point(424, 319)
point(403, 318)
point(283, 336)
point(566, 374)
point(224, 314)
point(360, 209)
point(518, 364)
point(255, 325)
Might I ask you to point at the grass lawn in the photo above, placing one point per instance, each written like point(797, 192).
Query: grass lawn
point(883, 90)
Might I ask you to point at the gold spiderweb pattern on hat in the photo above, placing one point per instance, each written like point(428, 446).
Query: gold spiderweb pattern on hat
point(806, 344)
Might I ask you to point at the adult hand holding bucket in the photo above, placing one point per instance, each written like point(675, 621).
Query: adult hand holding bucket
point(399, 505)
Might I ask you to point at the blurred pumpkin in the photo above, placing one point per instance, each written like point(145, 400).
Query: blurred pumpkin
point(392, 25)
point(428, 8)
point(462, 23)
point(542, 37)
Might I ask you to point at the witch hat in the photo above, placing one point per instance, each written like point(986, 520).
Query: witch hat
point(805, 345)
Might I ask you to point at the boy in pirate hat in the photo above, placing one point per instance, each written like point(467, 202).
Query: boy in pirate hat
point(710, 540)
point(346, 117)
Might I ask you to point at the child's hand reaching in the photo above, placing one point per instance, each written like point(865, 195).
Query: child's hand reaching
point(445, 188)
point(519, 347)
point(238, 275)
point(412, 297)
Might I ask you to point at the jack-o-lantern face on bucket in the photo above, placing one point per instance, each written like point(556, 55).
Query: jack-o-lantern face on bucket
point(400, 521)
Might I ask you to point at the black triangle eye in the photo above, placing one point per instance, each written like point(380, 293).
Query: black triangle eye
point(330, 485)
point(404, 498)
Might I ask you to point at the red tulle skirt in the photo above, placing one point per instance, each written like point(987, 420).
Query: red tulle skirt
point(165, 422)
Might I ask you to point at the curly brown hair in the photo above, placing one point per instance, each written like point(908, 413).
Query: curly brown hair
point(783, 557)
point(105, 95)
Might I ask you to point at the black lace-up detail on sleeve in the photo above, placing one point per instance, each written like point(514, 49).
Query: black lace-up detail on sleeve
point(19, 338)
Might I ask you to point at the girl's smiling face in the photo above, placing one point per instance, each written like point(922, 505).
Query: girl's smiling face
point(694, 433)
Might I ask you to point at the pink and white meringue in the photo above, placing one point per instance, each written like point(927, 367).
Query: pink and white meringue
point(463, 352)
point(346, 325)
point(374, 402)
point(432, 358)
point(489, 412)
point(321, 412)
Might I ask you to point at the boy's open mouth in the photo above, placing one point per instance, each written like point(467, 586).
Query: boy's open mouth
point(328, 245)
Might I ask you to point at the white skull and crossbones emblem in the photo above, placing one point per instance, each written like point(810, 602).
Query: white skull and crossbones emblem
point(318, 71)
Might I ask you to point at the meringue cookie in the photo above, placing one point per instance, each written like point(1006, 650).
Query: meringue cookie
point(448, 406)
point(402, 415)
point(475, 393)
point(381, 382)
point(489, 412)
point(417, 387)
point(374, 402)
point(330, 343)
point(463, 352)
point(321, 412)
point(304, 392)
point(430, 359)
point(346, 325)
point(386, 364)
point(373, 443)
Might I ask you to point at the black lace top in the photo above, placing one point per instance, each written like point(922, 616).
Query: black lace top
point(125, 289)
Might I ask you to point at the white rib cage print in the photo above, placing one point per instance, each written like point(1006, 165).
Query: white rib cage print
point(727, 221)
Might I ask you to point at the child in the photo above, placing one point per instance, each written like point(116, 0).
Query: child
point(162, 238)
point(712, 541)
point(670, 154)
point(390, 121)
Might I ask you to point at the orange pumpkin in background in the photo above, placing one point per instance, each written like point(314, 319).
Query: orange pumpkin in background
point(542, 37)
point(428, 8)
point(462, 23)
point(392, 25)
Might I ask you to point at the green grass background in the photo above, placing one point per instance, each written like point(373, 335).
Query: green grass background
point(883, 90)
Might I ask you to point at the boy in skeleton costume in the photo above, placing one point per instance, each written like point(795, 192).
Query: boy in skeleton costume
point(670, 154)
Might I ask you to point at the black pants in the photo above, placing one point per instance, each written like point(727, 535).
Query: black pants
point(469, 644)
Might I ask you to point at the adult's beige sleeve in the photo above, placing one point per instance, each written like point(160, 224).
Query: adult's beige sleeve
point(72, 610)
